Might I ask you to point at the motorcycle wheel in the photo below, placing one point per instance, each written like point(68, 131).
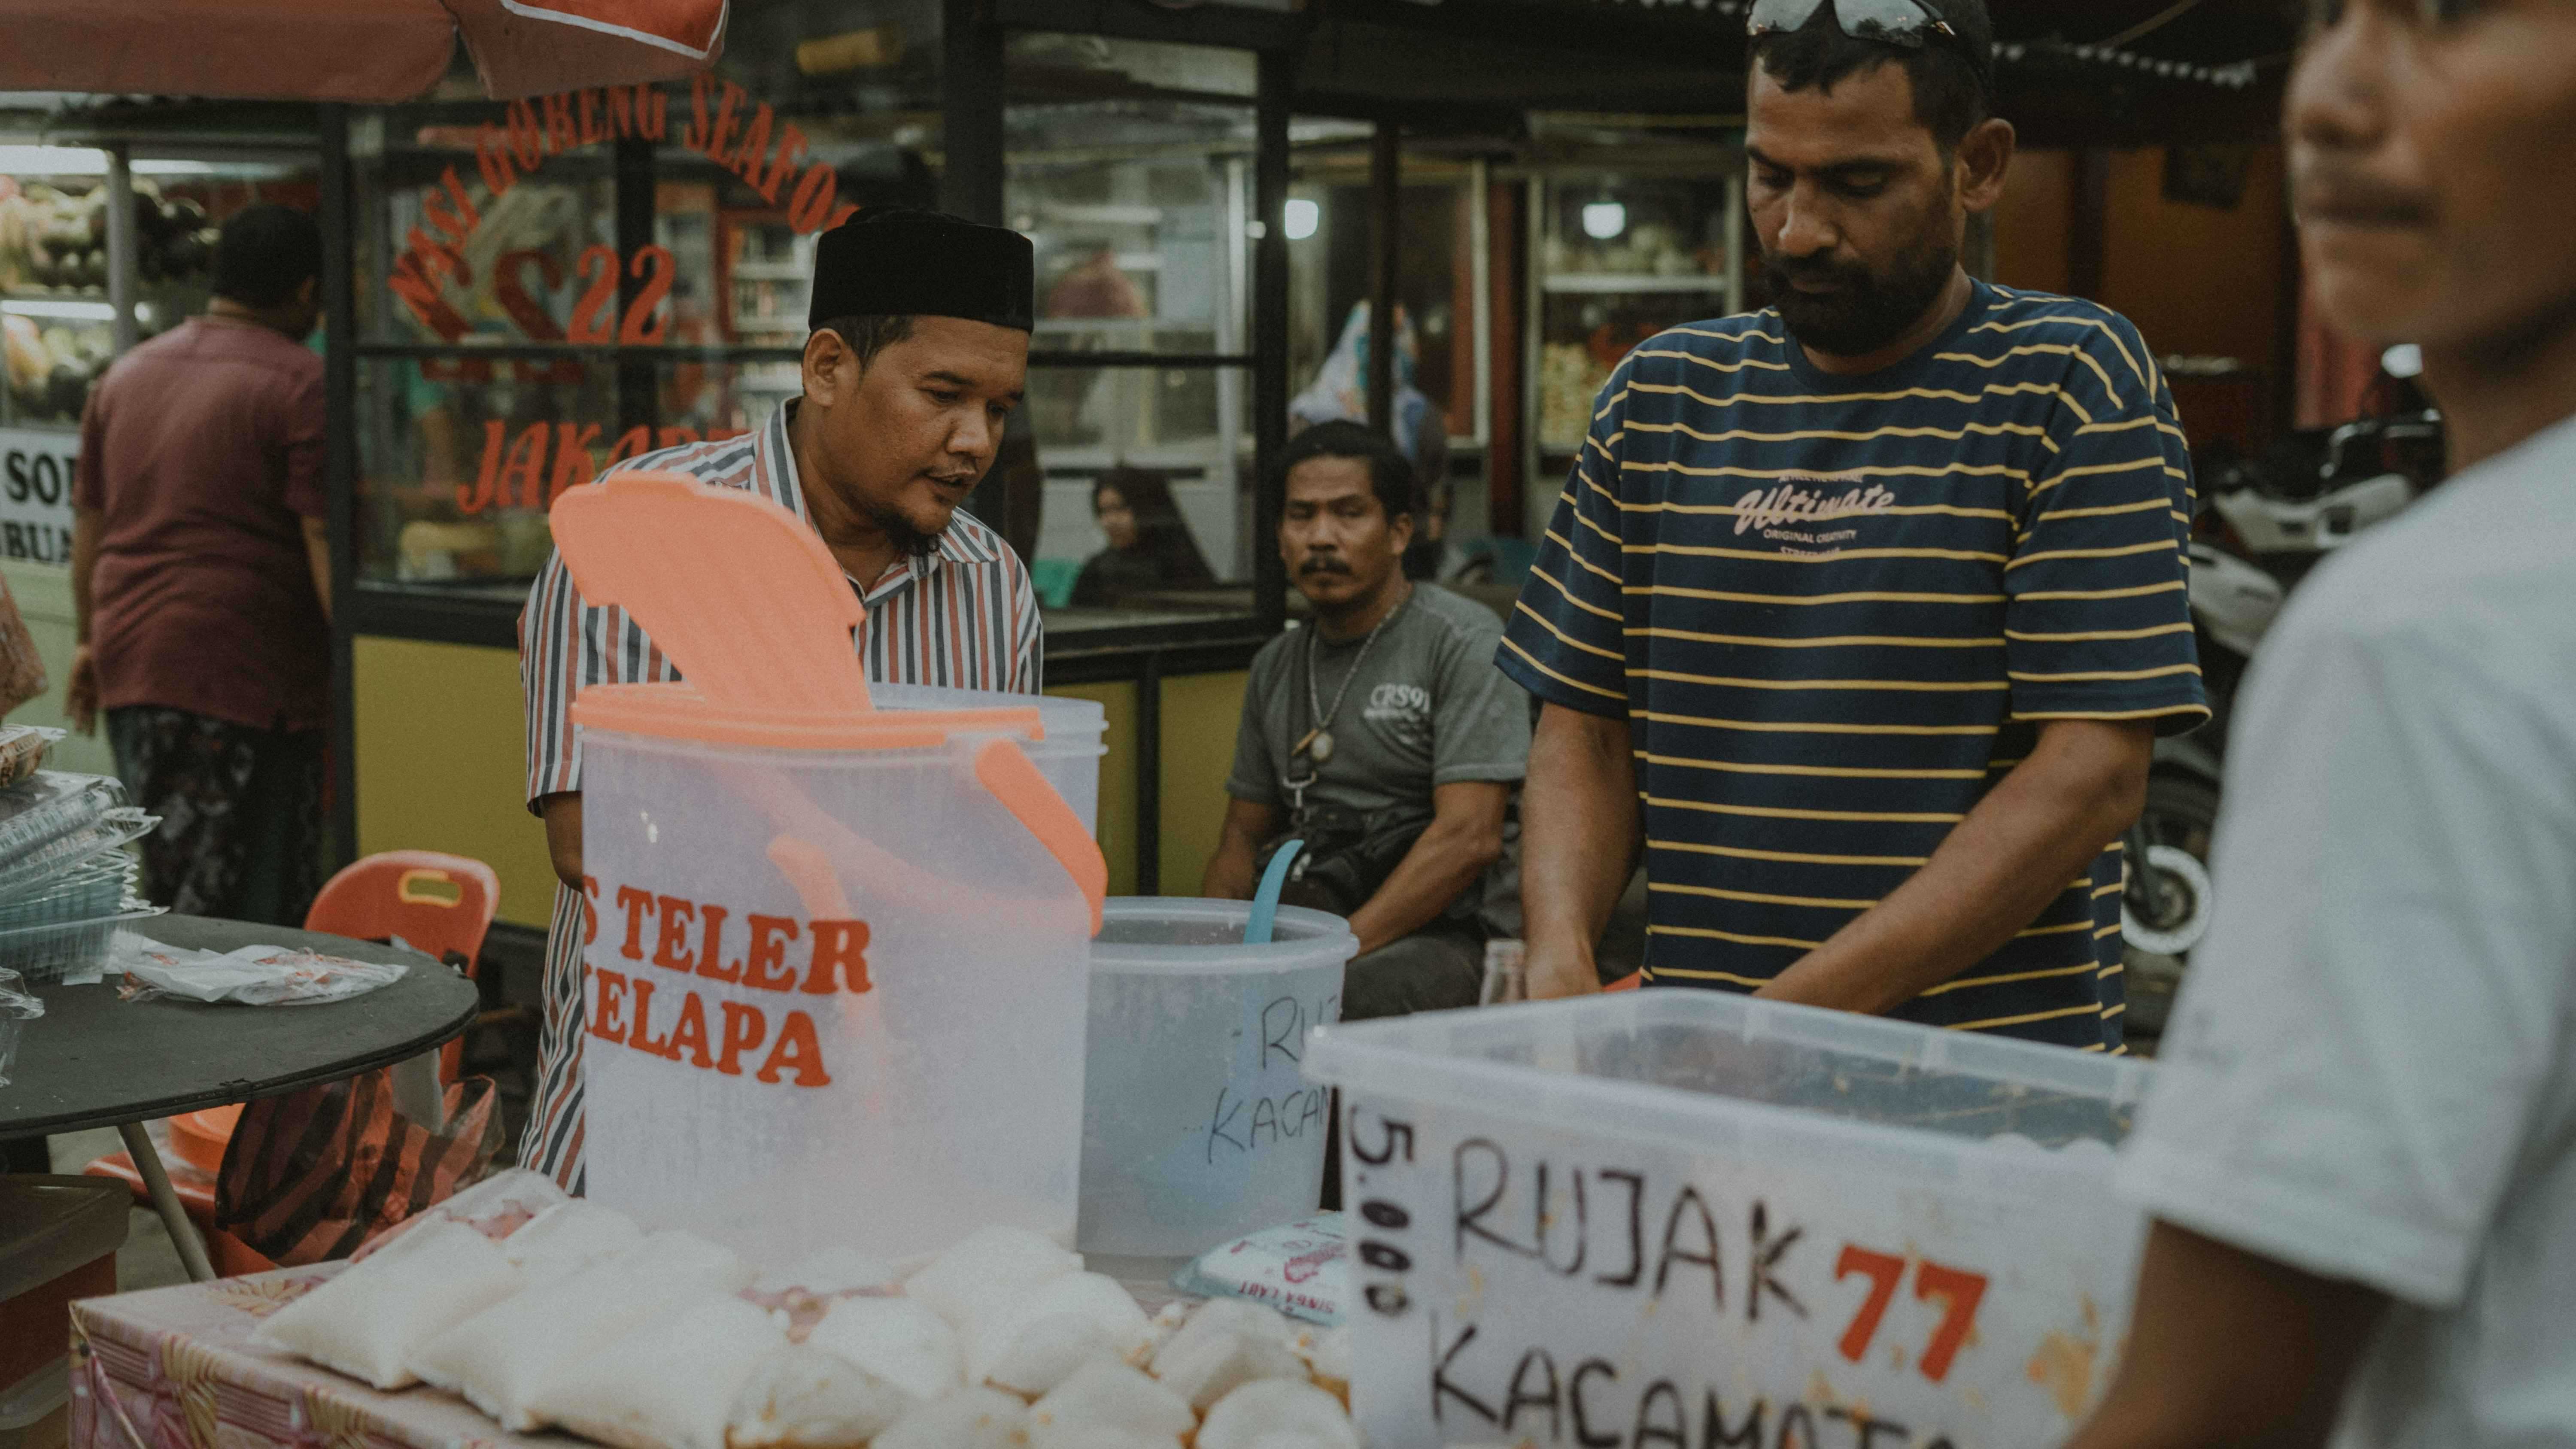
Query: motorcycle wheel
point(2179, 817)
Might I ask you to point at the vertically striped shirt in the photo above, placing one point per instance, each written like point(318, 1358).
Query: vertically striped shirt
point(1836, 610)
point(965, 617)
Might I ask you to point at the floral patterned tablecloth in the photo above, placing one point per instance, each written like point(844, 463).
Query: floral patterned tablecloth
point(174, 1368)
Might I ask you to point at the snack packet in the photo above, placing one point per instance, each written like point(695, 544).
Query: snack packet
point(250, 976)
point(1299, 1268)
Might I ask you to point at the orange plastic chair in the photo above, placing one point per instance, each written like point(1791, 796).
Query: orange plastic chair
point(436, 903)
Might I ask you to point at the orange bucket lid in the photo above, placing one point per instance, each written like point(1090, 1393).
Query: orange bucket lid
point(750, 604)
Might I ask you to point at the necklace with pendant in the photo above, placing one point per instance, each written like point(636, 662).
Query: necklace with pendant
point(1317, 746)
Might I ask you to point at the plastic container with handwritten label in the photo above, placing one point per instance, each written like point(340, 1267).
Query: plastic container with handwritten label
point(837, 983)
point(1198, 1123)
point(1674, 1214)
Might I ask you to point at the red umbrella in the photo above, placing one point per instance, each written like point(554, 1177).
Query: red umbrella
point(349, 50)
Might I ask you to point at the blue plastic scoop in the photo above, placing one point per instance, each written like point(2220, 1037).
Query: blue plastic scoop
point(1265, 901)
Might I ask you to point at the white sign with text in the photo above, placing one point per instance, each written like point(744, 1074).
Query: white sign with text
point(36, 494)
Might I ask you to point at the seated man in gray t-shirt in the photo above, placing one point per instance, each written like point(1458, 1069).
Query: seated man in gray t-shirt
point(1384, 737)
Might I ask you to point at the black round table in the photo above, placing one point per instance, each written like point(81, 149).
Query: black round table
point(93, 1060)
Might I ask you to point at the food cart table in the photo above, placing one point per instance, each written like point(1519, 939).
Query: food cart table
point(174, 1368)
point(93, 1060)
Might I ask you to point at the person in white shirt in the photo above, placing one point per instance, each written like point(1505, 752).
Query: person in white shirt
point(2360, 1153)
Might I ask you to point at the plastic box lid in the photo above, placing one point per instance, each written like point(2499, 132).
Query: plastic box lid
point(52, 1225)
point(51, 804)
point(1689, 1065)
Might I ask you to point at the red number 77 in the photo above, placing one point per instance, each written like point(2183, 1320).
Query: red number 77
point(1959, 1291)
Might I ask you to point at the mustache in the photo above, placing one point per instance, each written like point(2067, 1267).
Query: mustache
point(1815, 269)
point(2328, 191)
point(1323, 564)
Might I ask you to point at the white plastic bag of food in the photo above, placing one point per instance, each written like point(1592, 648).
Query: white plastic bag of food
point(1048, 1352)
point(896, 1339)
point(1094, 1436)
point(803, 1397)
point(800, 1296)
point(367, 1322)
point(1091, 1298)
point(497, 1207)
point(569, 1237)
point(986, 1271)
point(1204, 1366)
point(505, 1358)
point(974, 1419)
point(1110, 1396)
point(1279, 1408)
point(668, 1385)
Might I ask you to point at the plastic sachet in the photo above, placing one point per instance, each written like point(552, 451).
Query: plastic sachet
point(368, 1321)
point(497, 1207)
point(1300, 1268)
point(250, 976)
point(507, 1358)
point(669, 1382)
point(16, 1007)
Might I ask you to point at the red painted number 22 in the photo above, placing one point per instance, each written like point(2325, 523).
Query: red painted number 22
point(1958, 1290)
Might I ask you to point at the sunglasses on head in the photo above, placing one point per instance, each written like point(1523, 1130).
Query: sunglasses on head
point(2326, 14)
point(1897, 22)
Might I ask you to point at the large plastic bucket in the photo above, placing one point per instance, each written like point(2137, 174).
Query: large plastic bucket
point(1070, 754)
point(1198, 1123)
point(835, 995)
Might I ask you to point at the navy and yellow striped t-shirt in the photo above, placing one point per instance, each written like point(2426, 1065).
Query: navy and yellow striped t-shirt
point(1833, 610)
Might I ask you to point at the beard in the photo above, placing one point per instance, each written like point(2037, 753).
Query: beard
point(1866, 310)
point(908, 538)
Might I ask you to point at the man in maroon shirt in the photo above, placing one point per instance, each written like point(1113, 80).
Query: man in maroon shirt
point(201, 579)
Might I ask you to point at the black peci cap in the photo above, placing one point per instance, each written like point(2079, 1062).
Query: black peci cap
point(897, 262)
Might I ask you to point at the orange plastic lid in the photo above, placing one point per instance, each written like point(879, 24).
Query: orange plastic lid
point(680, 712)
point(747, 600)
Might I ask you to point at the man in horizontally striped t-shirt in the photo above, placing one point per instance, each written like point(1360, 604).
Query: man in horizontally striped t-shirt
point(918, 353)
point(1863, 611)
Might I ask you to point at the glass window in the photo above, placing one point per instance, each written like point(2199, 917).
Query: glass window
point(548, 285)
point(462, 455)
point(1138, 211)
point(1129, 167)
point(59, 328)
point(1436, 292)
point(1171, 449)
point(1620, 257)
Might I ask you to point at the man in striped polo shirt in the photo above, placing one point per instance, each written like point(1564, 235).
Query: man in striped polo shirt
point(1861, 613)
point(919, 352)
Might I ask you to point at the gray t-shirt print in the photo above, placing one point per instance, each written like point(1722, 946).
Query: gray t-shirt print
point(1428, 708)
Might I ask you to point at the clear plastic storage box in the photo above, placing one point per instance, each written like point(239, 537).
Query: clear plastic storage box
point(100, 885)
point(1685, 1217)
point(66, 948)
point(37, 867)
point(50, 805)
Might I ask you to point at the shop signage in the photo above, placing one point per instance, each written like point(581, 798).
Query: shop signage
point(688, 939)
point(533, 466)
point(724, 125)
point(36, 494)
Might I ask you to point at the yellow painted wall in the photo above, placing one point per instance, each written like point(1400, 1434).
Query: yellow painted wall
point(442, 765)
point(1200, 713)
point(1117, 828)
